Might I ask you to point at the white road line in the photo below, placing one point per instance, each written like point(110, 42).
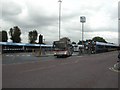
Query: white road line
point(28, 55)
point(112, 69)
point(22, 63)
point(16, 55)
point(23, 55)
point(7, 55)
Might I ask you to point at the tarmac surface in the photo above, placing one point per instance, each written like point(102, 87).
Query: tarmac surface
point(85, 71)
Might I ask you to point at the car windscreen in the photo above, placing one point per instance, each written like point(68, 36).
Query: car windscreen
point(60, 45)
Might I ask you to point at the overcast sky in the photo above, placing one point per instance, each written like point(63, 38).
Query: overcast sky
point(42, 15)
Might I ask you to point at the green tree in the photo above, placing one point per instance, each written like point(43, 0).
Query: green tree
point(32, 36)
point(4, 36)
point(15, 34)
point(99, 39)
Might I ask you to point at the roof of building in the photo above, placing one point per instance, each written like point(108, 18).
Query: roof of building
point(24, 44)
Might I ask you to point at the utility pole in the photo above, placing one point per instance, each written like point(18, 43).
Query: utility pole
point(59, 17)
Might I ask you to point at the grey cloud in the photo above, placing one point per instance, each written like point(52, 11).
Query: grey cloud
point(10, 9)
point(119, 9)
point(46, 22)
point(35, 18)
point(76, 26)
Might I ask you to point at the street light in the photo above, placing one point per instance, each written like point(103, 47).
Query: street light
point(119, 31)
point(60, 1)
point(82, 20)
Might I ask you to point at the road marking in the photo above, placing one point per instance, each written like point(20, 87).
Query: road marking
point(18, 55)
point(7, 55)
point(27, 55)
point(112, 69)
point(69, 62)
point(22, 63)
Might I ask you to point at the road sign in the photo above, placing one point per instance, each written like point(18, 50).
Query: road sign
point(83, 19)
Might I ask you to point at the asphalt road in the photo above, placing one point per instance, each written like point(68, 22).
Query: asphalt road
point(49, 72)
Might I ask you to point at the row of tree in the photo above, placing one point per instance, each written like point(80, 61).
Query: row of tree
point(15, 34)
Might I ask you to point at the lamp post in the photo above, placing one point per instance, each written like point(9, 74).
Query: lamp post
point(119, 23)
point(119, 32)
point(59, 17)
point(82, 20)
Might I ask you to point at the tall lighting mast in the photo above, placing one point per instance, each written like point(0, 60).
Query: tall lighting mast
point(60, 1)
point(119, 23)
point(82, 20)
